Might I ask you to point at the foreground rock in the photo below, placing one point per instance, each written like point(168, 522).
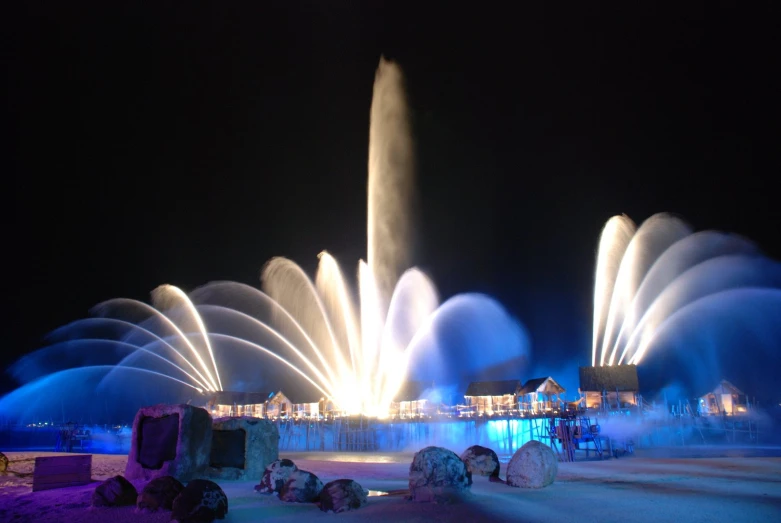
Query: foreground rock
point(169, 440)
point(301, 487)
point(534, 465)
point(242, 447)
point(3, 462)
point(201, 501)
point(159, 493)
point(342, 495)
point(481, 461)
point(438, 474)
point(275, 476)
point(114, 492)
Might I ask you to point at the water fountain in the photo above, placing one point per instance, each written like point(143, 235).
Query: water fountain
point(647, 278)
point(228, 335)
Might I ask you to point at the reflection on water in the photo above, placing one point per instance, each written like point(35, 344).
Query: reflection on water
point(373, 493)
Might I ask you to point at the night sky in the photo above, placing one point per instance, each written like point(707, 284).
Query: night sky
point(173, 143)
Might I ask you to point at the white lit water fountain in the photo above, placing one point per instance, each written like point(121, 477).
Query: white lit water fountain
point(653, 280)
point(353, 347)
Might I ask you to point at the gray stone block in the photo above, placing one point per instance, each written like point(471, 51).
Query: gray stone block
point(169, 440)
point(242, 448)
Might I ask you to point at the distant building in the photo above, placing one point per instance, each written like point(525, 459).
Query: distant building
point(279, 406)
point(230, 403)
point(540, 395)
point(410, 401)
point(306, 406)
point(609, 388)
point(487, 398)
point(726, 399)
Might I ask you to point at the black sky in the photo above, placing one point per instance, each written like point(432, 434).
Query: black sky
point(177, 143)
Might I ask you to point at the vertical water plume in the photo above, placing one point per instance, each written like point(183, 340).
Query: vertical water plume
point(390, 187)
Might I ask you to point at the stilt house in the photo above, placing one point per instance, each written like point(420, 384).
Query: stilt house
point(230, 403)
point(279, 406)
point(725, 399)
point(609, 388)
point(306, 406)
point(410, 401)
point(540, 396)
point(488, 398)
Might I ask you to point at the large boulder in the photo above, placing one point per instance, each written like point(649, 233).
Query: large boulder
point(275, 476)
point(3, 462)
point(201, 501)
point(242, 447)
point(481, 461)
point(159, 493)
point(301, 487)
point(342, 495)
point(169, 440)
point(534, 465)
point(438, 474)
point(114, 492)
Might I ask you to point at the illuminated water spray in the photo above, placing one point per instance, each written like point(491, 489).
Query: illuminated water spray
point(647, 276)
point(354, 352)
point(352, 346)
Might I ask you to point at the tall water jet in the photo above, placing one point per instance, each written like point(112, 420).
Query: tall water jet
point(390, 187)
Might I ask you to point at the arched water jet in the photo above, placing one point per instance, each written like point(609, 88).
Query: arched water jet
point(170, 299)
point(77, 388)
point(650, 240)
point(23, 372)
point(469, 327)
point(287, 284)
point(122, 304)
point(614, 240)
point(128, 333)
point(337, 302)
point(696, 285)
point(663, 269)
point(322, 379)
point(672, 264)
point(725, 302)
point(283, 323)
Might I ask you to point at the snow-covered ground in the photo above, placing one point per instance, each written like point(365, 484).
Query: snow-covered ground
point(634, 488)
